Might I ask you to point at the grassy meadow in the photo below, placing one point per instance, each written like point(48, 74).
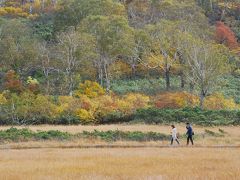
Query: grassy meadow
point(140, 163)
point(215, 154)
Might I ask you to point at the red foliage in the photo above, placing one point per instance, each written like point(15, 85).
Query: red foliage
point(34, 88)
point(12, 83)
point(225, 35)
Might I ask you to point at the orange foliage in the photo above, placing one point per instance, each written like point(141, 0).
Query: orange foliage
point(225, 35)
point(176, 100)
point(12, 82)
point(183, 99)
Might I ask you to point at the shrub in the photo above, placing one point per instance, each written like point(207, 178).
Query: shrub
point(176, 100)
point(67, 119)
point(85, 116)
point(127, 136)
point(13, 83)
point(14, 134)
point(195, 115)
point(90, 89)
point(218, 102)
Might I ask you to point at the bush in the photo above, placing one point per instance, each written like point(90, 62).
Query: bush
point(195, 115)
point(218, 101)
point(115, 117)
point(14, 134)
point(127, 136)
point(176, 100)
point(18, 135)
point(67, 119)
point(90, 89)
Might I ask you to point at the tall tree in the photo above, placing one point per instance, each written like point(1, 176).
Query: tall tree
point(74, 11)
point(206, 62)
point(114, 37)
point(163, 53)
point(18, 47)
point(73, 48)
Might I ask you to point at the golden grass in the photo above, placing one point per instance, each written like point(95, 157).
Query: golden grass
point(150, 163)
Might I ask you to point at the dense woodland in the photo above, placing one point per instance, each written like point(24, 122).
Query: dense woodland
point(103, 61)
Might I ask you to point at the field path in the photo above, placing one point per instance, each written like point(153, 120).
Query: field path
point(119, 146)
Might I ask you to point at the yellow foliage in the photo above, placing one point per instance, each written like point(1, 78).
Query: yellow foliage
point(120, 68)
point(218, 101)
point(13, 11)
point(43, 105)
point(124, 106)
point(3, 11)
point(3, 100)
point(90, 89)
point(134, 101)
point(68, 104)
point(85, 115)
point(137, 100)
point(106, 104)
point(31, 80)
point(155, 60)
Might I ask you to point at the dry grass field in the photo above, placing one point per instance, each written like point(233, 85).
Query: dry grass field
point(139, 163)
point(55, 160)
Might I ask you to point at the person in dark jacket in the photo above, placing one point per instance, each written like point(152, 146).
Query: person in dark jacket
point(189, 133)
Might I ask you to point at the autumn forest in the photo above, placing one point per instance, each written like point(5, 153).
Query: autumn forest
point(114, 61)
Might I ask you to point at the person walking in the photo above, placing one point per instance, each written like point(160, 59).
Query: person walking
point(189, 133)
point(174, 135)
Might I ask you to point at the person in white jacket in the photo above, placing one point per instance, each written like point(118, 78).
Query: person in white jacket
point(174, 135)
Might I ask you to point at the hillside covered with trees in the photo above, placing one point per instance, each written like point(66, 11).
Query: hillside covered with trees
point(105, 61)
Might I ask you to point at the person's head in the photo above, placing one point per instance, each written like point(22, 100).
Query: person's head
point(187, 124)
point(172, 126)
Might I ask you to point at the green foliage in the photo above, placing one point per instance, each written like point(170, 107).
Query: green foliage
point(149, 86)
point(44, 28)
point(73, 12)
point(14, 134)
point(230, 87)
point(18, 135)
point(195, 116)
point(125, 136)
point(18, 47)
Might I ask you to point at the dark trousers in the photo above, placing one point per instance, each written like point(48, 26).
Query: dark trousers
point(189, 138)
point(175, 140)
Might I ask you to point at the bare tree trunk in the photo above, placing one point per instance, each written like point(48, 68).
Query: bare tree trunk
point(191, 87)
point(107, 78)
point(48, 87)
point(202, 98)
point(167, 79)
point(133, 67)
point(42, 4)
point(70, 88)
point(182, 80)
